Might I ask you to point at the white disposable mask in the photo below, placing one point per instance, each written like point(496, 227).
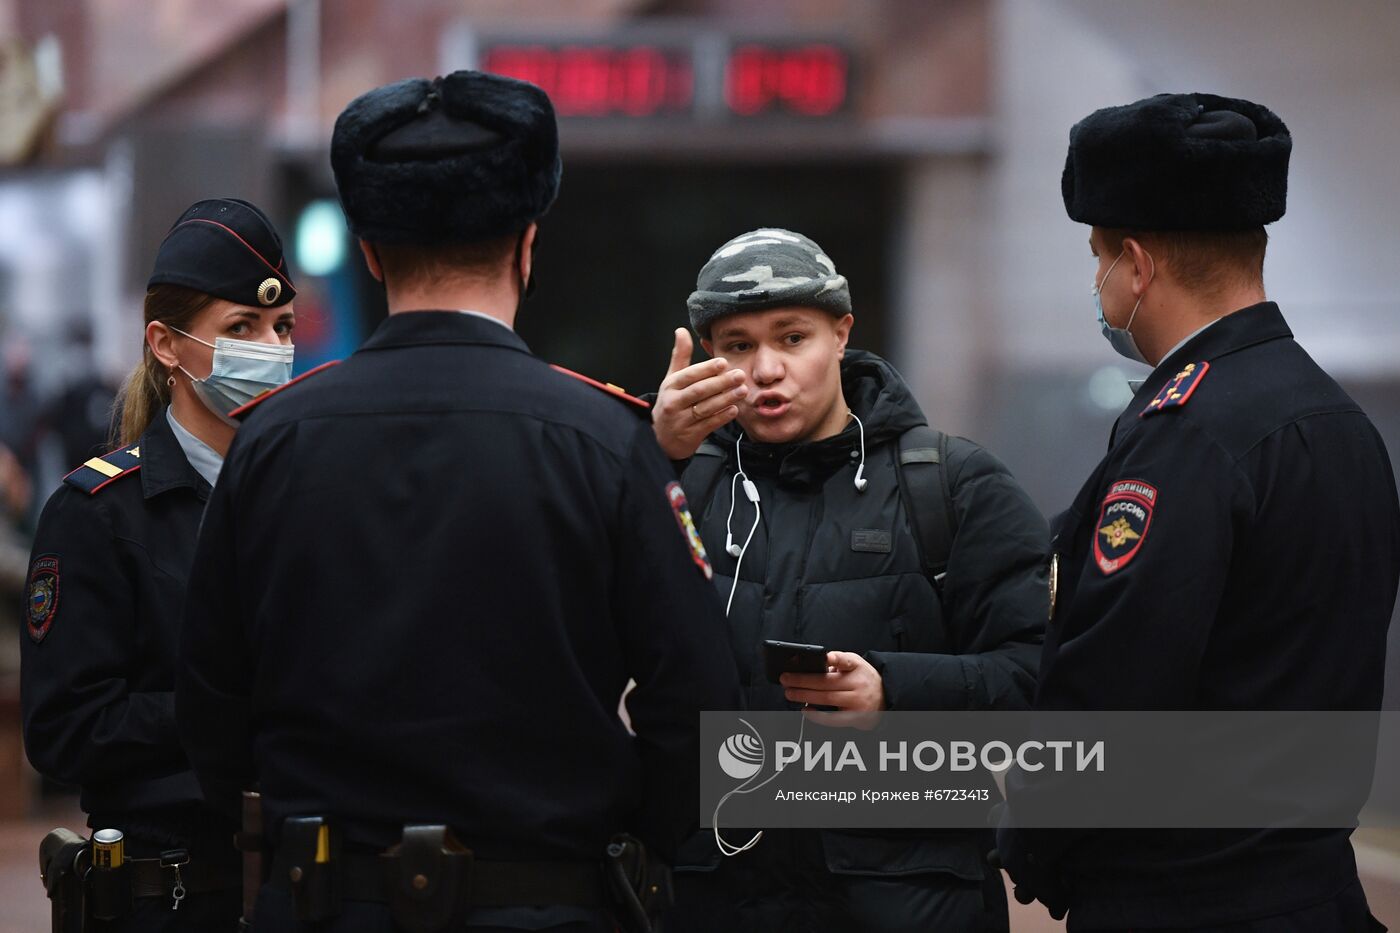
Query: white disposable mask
point(1118, 337)
point(243, 370)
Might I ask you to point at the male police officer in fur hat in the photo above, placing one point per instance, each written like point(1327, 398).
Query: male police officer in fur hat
point(1238, 548)
point(427, 574)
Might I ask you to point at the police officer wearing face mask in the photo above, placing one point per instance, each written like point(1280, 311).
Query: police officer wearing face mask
point(111, 558)
point(1237, 548)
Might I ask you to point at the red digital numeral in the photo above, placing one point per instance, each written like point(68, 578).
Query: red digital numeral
point(599, 81)
point(810, 80)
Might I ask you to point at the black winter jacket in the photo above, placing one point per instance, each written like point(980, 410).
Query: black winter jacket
point(803, 579)
point(811, 575)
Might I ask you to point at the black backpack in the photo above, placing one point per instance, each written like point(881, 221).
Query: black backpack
point(923, 487)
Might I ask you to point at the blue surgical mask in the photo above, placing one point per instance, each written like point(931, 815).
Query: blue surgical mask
point(243, 370)
point(1118, 337)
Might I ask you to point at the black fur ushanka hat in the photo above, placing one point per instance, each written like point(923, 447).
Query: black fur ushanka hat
point(1178, 162)
point(465, 157)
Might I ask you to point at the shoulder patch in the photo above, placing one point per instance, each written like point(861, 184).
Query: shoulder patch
point(676, 496)
point(242, 410)
point(1178, 391)
point(41, 596)
point(1124, 518)
point(96, 473)
point(607, 387)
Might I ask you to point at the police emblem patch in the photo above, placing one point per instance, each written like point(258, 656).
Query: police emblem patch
point(41, 597)
point(1123, 521)
point(676, 496)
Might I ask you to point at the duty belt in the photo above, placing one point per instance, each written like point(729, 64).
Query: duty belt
point(372, 878)
point(158, 877)
point(84, 887)
point(429, 880)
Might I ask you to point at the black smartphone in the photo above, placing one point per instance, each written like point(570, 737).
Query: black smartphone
point(784, 657)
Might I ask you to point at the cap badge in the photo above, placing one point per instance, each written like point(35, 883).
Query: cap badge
point(269, 291)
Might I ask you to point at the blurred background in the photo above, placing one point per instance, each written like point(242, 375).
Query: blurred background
point(919, 141)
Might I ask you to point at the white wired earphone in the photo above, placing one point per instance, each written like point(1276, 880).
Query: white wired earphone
point(751, 493)
point(738, 551)
point(861, 481)
point(728, 848)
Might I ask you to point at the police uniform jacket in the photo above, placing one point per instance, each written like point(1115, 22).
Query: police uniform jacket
point(1238, 548)
point(422, 584)
point(839, 568)
point(107, 581)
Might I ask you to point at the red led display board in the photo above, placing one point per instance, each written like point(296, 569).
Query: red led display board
point(602, 80)
point(623, 79)
point(808, 80)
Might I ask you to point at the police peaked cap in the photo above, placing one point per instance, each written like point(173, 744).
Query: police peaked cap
point(1178, 162)
point(465, 157)
point(226, 248)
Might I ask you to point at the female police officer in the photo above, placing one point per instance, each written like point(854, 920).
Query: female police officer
point(110, 561)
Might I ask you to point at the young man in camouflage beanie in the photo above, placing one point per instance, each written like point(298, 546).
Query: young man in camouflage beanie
point(914, 558)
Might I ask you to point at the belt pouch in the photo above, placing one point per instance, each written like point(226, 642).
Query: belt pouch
point(64, 859)
point(428, 878)
point(313, 856)
point(640, 885)
point(109, 892)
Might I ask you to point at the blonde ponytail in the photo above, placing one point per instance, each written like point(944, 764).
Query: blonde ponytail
point(142, 397)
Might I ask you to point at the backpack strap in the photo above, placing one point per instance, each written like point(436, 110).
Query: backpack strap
point(702, 474)
point(921, 468)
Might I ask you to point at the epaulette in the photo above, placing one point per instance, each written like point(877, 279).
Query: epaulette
point(1177, 392)
point(108, 468)
point(241, 411)
point(607, 387)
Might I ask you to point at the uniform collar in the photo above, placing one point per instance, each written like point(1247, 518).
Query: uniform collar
point(424, 328)
point(486, 317)
point(205, 459)
point(1236, 331)
point(1187, 339)
point(164, 465)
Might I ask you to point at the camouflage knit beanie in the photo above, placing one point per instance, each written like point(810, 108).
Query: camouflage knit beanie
point(766, 268)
